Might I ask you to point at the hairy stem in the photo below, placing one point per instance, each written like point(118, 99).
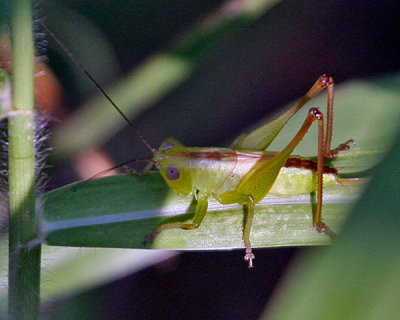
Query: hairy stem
point(24, 263)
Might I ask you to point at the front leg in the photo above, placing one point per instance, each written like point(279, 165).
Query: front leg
point(248, 202)
point(249, 256)
point(201, 210)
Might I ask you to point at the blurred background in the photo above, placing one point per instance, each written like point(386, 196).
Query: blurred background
point(234, 68)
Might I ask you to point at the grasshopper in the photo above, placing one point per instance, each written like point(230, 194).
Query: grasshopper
point(244, 173)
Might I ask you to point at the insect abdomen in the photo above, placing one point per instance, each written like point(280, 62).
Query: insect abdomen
point(292, 181)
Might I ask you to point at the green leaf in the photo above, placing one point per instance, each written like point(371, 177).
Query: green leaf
point(68, 271)
point(121, 211)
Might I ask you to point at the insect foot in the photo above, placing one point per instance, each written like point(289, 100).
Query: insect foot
point(342, 147)
point(322, 227)
point(249, 256)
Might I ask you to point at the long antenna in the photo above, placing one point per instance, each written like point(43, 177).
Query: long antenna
point(75, 60)
point(119, 166)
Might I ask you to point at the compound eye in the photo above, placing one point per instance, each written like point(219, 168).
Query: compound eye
point(172, 173)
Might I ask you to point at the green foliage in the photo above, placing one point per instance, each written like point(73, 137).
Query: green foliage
point(80, 214)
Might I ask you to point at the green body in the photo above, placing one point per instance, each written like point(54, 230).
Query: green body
point(215, 171)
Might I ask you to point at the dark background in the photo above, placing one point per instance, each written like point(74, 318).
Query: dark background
point(244, 79)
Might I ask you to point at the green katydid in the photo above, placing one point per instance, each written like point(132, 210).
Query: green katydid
point(245, 173)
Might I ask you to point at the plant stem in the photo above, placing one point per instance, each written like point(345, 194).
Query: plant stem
point(24, 263)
